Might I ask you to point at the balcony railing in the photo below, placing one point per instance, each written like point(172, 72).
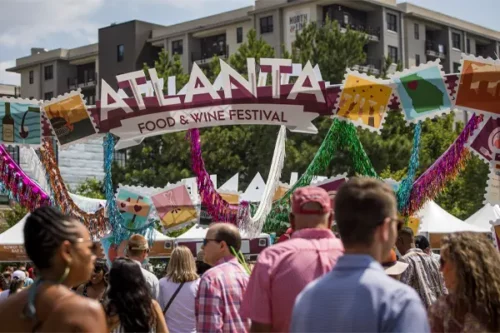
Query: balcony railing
point(435, 49)
point(371, 65)
point(205, 57)
point(372, 32)
point(81, 82)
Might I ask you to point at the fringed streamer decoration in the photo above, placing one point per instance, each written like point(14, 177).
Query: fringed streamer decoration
point(217, 207)
point(349, 142)
point(341, 135)
point(434, 179)
point(251, 226)
point(18, 185)
point(404, 189)
point(119, 229)
point(95, 222)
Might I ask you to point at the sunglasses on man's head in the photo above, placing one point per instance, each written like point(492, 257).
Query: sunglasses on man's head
point(207, 240)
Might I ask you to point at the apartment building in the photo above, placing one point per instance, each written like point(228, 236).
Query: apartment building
point(9, 90)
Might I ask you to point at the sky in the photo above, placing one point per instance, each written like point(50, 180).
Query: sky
point(53, 24)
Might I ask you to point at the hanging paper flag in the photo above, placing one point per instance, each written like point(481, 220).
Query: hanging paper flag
point(478, 88)
point(174, 206)
point(364, 100)
point(422, 92)
point(69, 118)
point(280, 191)
point(486, 139)
point(134, 208)
point(495, 229)
point(231, 197)
point(414, 224)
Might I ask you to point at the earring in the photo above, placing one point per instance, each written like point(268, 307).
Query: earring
point(65, 275)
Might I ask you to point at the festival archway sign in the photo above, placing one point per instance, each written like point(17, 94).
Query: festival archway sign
point(232, 100)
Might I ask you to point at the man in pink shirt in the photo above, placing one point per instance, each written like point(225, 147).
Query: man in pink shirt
point(284, 269)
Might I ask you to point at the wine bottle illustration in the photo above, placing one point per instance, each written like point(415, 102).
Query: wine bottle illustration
point(7, 125)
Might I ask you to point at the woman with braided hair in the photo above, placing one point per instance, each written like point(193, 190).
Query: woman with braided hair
point(471, 269)
point(62, 250)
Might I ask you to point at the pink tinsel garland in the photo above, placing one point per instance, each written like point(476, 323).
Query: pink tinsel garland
point(28, 193)
point(217, 207)
point(432, 181)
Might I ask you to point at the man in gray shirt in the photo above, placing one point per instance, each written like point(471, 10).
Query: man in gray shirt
point(357, 295)
point(138, 250)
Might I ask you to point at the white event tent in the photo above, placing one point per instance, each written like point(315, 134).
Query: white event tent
point(435, 220)
point(484, 216)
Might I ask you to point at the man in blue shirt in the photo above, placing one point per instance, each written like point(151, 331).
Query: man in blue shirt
point(357, 295)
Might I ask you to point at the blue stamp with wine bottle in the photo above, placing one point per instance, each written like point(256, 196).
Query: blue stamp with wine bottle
point(20, 122)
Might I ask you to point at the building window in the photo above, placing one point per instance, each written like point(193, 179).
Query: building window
point(455, 37)
point(48, 72)
point(120, 52)
point(468, 45)
point(239, 35)
point(120, 158)
point(392, 22)
point(393, 54)
point(417, 59)
point(14, 153)
point(177, 47)
point(456, 67)
point(417, 31)
point(266, 24)
point(32, 77)
point(48, 96)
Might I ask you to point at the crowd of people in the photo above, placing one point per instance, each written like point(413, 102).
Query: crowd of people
point(375, 277)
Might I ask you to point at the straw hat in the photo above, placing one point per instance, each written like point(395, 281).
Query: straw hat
point(392, 266)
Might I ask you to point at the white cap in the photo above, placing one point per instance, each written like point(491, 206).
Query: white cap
point(19, 275)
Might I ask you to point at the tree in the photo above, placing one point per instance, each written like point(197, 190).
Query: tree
point(13, 215)
point(167, 66)
point(91, 188)
point(252, 48)
point(330, 48)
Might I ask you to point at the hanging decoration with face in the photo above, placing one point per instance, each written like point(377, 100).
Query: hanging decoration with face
point(134, 208)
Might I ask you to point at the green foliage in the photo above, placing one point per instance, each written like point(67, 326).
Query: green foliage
point(252, 48)
point(178, 232)
point(91, 188)
point(330, 48)
point(13, 215)
point(169, 66)
point(213, 68)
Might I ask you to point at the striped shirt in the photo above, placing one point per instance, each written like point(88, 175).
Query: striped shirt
point(220, 294)
point(357, 296)
point(423, 275)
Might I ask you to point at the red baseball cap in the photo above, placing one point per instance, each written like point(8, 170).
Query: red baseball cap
point(307, 194)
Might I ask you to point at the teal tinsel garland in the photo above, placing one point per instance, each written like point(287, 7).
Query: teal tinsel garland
point(403, 194)
point(118, 226)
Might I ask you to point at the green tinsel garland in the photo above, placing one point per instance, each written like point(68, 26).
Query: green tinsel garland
point(341, 135)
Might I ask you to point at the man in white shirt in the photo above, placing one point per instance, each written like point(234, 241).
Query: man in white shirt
point(138, 250)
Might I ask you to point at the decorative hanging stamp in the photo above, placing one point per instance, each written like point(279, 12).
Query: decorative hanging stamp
point(422, 92)
point(364, 100)
point(20, 122)
point(69, 119)
point(478, 87)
